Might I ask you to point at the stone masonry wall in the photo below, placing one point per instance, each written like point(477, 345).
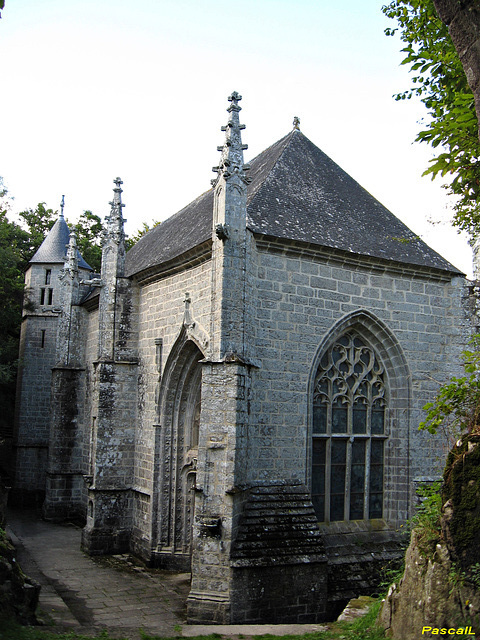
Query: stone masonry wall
point(301, 296)
point(90, 357)
point(37, 357)
point(161, 315)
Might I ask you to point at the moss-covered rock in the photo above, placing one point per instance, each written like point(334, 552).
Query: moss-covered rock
point(18, 594)
point(441, 584)
point(461, 500)
point(430, 593)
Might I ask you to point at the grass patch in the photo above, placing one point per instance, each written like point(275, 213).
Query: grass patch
point(363, 628)
point(11, 630)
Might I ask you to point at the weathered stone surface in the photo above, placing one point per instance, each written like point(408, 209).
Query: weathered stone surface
point(18, 593)
point(277, 526)
point(183, 392)
point(278, 559)
point(429, 595)
point(441, 589)
point(461, 498)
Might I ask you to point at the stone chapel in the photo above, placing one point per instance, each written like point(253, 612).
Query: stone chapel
point(239, 395)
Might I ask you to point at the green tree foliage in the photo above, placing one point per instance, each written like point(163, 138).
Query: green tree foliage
point(40, 220)
point(439, 81)
point(38, 223)
point(458, 402)
point(15, 248)
point(18, 244)
point(89, 235)
point(141, 232)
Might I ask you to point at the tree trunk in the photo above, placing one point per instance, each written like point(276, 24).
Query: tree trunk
point(462, 18)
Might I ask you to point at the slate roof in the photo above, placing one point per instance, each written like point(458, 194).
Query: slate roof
point(297, 193)
point(54, 248)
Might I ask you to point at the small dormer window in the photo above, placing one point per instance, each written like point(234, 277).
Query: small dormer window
point(48, 276)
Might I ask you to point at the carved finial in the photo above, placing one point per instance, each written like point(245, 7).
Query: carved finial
point(115, 221)
point(231, 161)
point(72, 249)
point(62, 204)
point(296, 123)
point(234, 99)
point(117, 193)
point(71, 259)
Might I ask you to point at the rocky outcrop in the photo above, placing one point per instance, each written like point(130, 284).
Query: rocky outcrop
point(430, 593)
point(461, 504)
point(440, 587)
point(18, 593)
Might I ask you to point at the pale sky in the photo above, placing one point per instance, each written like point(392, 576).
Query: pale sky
point(95, 89)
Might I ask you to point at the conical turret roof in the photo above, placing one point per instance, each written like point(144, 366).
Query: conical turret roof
point(296, 193)
point(53, 249)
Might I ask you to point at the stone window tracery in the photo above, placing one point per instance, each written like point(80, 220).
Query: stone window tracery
point(349, 431)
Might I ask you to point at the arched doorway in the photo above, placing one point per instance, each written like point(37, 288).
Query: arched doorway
point(178, 452)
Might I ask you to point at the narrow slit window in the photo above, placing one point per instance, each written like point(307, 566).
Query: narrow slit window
point(48, 276)
point(42, 338)
point(42, 295)
point(50, 296)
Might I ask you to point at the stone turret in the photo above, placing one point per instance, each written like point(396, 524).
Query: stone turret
point(45, 330)
point(41, 278)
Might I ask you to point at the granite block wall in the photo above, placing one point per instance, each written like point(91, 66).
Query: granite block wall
point(306, 298)
point(161, 312)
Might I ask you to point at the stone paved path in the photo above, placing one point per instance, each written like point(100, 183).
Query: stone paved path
point(86, 595)
point(116, 593)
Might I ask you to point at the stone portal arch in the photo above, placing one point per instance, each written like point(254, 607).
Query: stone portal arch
point(177, 453)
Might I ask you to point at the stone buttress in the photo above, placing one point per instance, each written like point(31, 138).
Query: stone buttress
point(113, 412)
point(229, 586)
point(225, 387)
point(65, 488)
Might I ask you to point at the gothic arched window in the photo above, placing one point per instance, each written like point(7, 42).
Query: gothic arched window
point(349, 431)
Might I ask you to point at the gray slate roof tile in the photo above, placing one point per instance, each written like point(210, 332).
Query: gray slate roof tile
point(54, 248)
point(297, 193)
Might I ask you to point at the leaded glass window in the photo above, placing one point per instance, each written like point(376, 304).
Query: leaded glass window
point(349, 432)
